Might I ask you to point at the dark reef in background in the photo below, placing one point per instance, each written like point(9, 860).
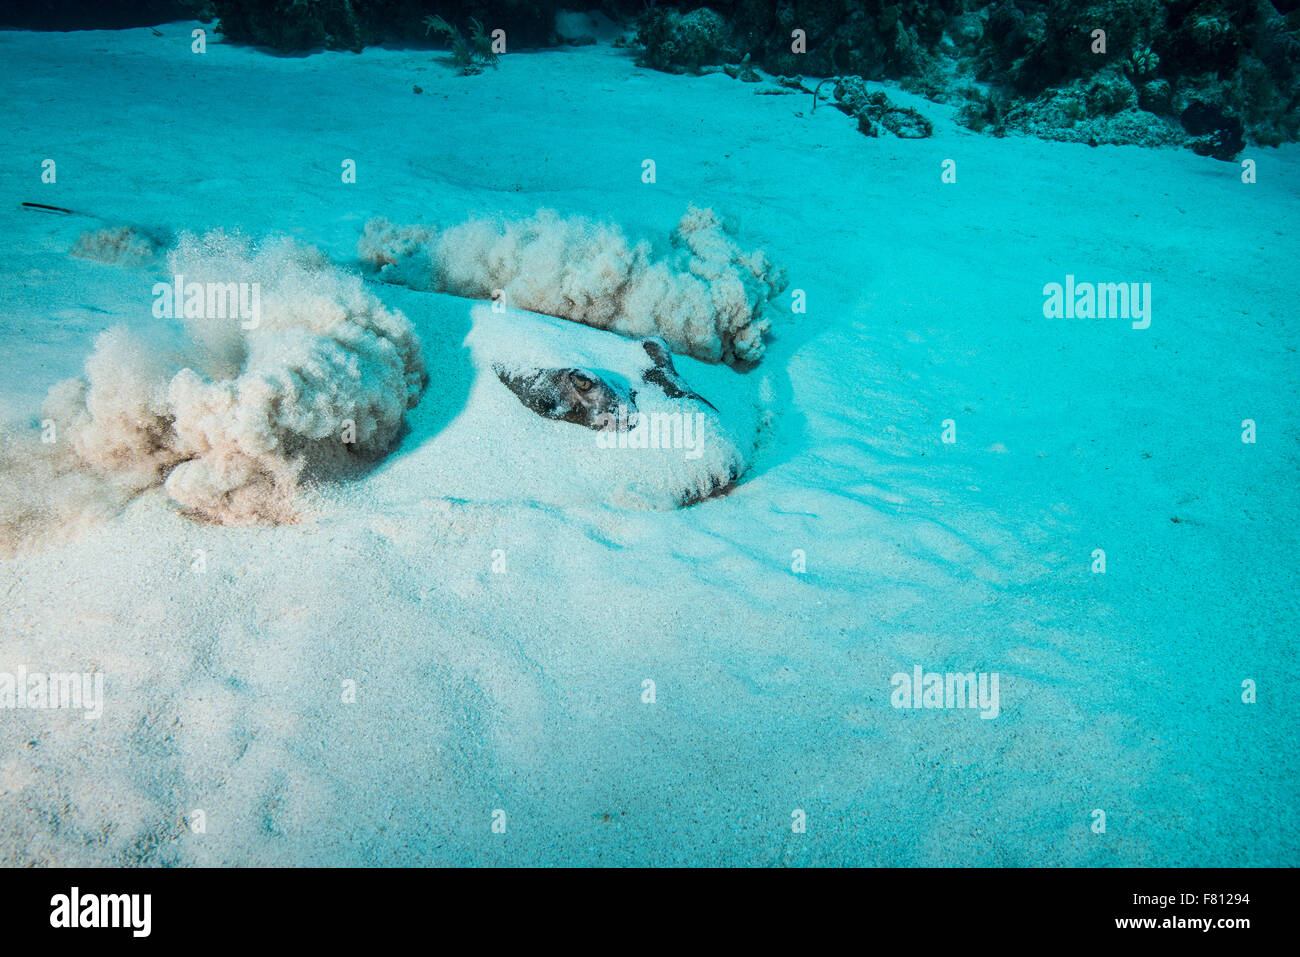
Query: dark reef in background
point(1033, 58)
point(1024, 65)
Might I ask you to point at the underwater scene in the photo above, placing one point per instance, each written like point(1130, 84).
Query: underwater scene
point(628, 434)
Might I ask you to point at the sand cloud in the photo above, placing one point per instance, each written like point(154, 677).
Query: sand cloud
point(705, 296)
point(230, 420)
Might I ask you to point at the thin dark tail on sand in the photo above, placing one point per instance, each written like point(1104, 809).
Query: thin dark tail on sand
point(43, 208)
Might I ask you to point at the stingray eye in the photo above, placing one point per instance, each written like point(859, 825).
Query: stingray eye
point(581, 382)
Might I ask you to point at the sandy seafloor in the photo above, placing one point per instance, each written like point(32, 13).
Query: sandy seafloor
point(521, 691)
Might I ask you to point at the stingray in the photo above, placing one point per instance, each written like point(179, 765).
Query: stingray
point(581, 396)
point(589, 397)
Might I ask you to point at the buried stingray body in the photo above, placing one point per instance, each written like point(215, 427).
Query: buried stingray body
point(592, 399)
